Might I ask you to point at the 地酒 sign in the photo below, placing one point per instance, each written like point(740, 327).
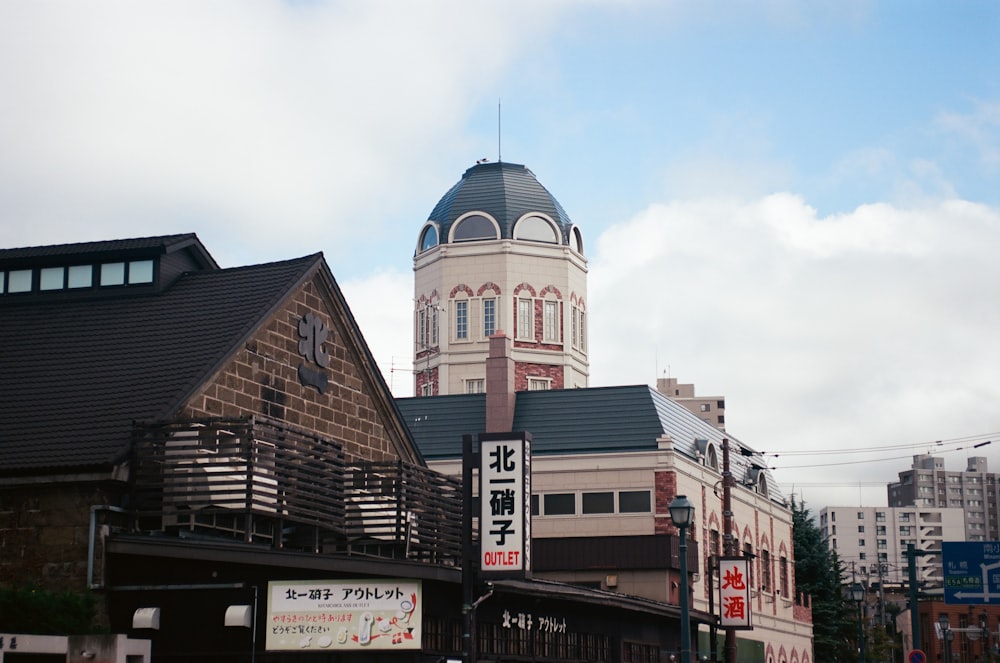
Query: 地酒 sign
point(734, 593)
point(971, 571)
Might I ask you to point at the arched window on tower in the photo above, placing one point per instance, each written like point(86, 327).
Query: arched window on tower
point(473, 227)
point(576, 240)
point(535, 228)
point(429, 237)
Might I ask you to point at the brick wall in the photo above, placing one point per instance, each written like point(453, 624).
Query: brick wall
point(524, 370)
point(263, 378)
point(665, 487)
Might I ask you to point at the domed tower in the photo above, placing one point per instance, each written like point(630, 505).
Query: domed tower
point(499, 255)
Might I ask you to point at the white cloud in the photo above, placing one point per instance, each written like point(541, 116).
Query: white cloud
point(232, 118)
point(849, 331)
point(382, 304)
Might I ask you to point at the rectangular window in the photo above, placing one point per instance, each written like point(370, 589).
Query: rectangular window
point(574, 334)
point(599, 502)
point(765, 570)
point(633, 501)
point(861, 515)
point(705, 407)
point(880, 516)
point(113, 273)
point(489, 317)
point(434, 326)
point(81, 276)
point(551, 331)
point(861, 528)
point(462, 319)
point(19, 280)
point(475, 386)
point(140, 271)
point(51, 278)
point(582, 329)
point(783, 575)
point(559, 504)
point(539, 384)
point(422, 330)
point(525, 320)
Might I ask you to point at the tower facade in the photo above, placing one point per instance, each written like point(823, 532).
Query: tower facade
point(499, 255)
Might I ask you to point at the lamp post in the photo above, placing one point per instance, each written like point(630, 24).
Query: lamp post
point(682, 513)
point(858, 594)
point(947, 635)
point(984, 627)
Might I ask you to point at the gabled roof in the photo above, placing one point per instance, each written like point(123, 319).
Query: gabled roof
point(76, 374)
point(594, 420)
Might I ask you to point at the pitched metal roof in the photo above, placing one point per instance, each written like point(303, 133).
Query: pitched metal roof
point(76, 374)
point(594, 420)
point(505, 191)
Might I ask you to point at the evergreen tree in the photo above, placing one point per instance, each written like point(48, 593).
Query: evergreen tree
point(819, 573)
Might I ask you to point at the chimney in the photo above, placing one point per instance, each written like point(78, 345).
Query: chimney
point(500, 397)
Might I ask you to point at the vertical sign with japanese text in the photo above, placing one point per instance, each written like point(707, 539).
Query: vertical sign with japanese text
point(734, 593)
point(504, 495)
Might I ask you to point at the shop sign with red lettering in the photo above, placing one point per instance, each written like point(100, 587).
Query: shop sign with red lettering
point(505, 520)
point(734, 593)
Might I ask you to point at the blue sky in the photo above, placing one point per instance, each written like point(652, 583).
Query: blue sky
point(795, 205)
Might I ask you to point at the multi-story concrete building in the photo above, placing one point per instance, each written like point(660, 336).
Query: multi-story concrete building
point(710, 409)
point(974, 491)
point(872, 541)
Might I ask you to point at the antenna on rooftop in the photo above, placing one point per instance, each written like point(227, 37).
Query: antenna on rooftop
point(499, 152)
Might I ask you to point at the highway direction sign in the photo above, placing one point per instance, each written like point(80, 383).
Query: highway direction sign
point(971, 571)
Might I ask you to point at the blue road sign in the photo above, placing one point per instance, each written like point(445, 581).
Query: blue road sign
point(971, 571)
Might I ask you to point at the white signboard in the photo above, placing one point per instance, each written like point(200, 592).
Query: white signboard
point(504, 521)
point(343, 615)
point(734, 592)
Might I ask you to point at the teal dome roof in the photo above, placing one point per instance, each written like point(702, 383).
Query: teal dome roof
point(504, 191)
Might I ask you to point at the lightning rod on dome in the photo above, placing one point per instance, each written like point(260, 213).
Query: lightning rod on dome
point(499, 144)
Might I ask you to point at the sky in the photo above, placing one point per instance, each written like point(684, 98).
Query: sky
point(794, 205)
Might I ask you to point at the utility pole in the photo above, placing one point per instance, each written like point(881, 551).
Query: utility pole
point(728, 541)
point(911, 561)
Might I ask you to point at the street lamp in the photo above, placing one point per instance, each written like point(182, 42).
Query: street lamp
point(682, 513)
point(984, 627)
point(947, 635)
point(858, 594)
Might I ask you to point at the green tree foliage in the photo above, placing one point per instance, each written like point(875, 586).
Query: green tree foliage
point(43, 612)
point(819, 573)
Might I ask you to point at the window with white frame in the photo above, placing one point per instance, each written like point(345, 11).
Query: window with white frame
point(461, 319)
point(525, 319)
point(422, 329)
point(475, 386)
point(434, 326)
point(539, 384)
point(489, 316)
point(551, 327)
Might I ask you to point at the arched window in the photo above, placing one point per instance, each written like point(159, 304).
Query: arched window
point(473, 227)
point(429, 238)
point(576, 240)
point(535, 229)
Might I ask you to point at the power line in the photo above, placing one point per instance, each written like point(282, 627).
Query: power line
point(911, 445)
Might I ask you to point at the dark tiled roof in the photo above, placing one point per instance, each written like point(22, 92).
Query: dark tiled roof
point(161, 244)
point(75, 374)
point(506, 191)
point(575, 421)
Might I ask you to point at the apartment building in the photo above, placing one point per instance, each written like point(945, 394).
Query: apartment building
point(872, 541)
point(974, 491)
